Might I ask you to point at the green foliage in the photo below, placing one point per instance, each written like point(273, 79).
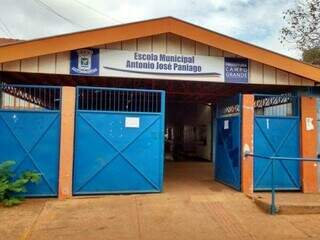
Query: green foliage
point(302, 25)
point(312, 56)
point(10, 186)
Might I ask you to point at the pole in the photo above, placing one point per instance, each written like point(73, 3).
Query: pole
point(273, 193)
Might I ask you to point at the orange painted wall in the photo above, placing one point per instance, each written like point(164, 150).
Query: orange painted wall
point(309, 144)
point(247, 142)
point(66, 142)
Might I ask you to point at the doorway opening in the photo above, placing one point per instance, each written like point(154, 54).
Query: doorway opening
point(189, 152)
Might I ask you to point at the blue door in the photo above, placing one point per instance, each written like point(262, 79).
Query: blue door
point(276, 133)
point(119, 141)
point(30, 134)
point(228, 144)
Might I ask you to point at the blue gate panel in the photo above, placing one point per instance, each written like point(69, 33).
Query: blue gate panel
point(111, 157)
point(227, 160)
point(31, 139)
point(276, 136)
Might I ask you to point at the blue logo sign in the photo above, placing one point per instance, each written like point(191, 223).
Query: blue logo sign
point(85, 62)
point(236, 70)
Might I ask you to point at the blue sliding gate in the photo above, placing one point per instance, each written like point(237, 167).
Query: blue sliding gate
point(276, 133)
point(119, 141)
point(30, 133)
point(228, 144)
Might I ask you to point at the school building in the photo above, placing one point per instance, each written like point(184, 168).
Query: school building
point(103, 111)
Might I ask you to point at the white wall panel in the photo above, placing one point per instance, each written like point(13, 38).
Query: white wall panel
point(47, 63)
point(215, 52)
point(145, 44)
point(202, 49)
point(159, 43)
point(115, 46)
point(269, 74)
point(282, 77)
point(29, 65)
point(63, 63)
point(173, 43)
point(130, 45)
point(256, 72)
point(294, 80)
point(13, 66)
point(187, 46)
point(307, 82)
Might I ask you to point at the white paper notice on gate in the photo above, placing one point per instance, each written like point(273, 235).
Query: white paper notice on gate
point(132, 122)
point(226, 124)
point(309, 124)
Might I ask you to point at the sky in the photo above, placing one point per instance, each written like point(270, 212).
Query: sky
point(255, 21)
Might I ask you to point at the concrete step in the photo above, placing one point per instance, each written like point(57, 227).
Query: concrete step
point(289, 203)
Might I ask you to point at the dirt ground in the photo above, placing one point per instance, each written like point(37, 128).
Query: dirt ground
point(191, 207)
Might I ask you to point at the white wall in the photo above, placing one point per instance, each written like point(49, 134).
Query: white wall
point(190, 115)
point(203, 117)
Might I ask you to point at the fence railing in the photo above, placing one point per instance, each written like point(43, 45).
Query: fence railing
point(273, 208)
point(119, 100)
point(276, 105)
point(29, 97)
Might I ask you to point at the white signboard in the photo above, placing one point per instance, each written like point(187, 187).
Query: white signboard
point(116, 63)
point(132, 122)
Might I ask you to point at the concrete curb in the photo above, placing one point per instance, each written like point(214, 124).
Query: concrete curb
point(286, 209)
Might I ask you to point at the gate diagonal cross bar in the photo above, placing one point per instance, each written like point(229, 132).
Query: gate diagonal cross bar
point(227, 152)
point(225, 147)
point(119, 152)
point(275, 153)
point(28, 152)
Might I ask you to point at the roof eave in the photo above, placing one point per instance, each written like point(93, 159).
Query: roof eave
point(67, 42)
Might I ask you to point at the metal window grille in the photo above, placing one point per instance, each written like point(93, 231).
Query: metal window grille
point(118, 100)
point(32, 98)
point(227, 107)
point(276, 105)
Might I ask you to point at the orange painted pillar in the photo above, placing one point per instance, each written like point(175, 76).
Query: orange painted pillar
point(309, 143)
point(247, 124)
point(66, 142)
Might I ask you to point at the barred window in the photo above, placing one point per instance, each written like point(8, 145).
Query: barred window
point(119, 100)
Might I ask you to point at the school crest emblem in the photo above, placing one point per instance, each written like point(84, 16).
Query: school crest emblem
point(85, 62)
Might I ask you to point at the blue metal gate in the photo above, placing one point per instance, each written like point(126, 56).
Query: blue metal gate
point(276, 133)
point(119, 141)
point(228, 144)
point(30, 133)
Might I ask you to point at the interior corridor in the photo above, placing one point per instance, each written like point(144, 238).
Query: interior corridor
point(187, 177)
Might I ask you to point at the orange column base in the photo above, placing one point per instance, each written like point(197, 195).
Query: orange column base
point(309, 144)
point(247, 143)
point(66, 142)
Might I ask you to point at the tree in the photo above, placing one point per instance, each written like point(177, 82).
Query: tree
point(312, 56)
point(303, 28)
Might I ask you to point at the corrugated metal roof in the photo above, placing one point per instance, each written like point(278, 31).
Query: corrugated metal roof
point(6, 41)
